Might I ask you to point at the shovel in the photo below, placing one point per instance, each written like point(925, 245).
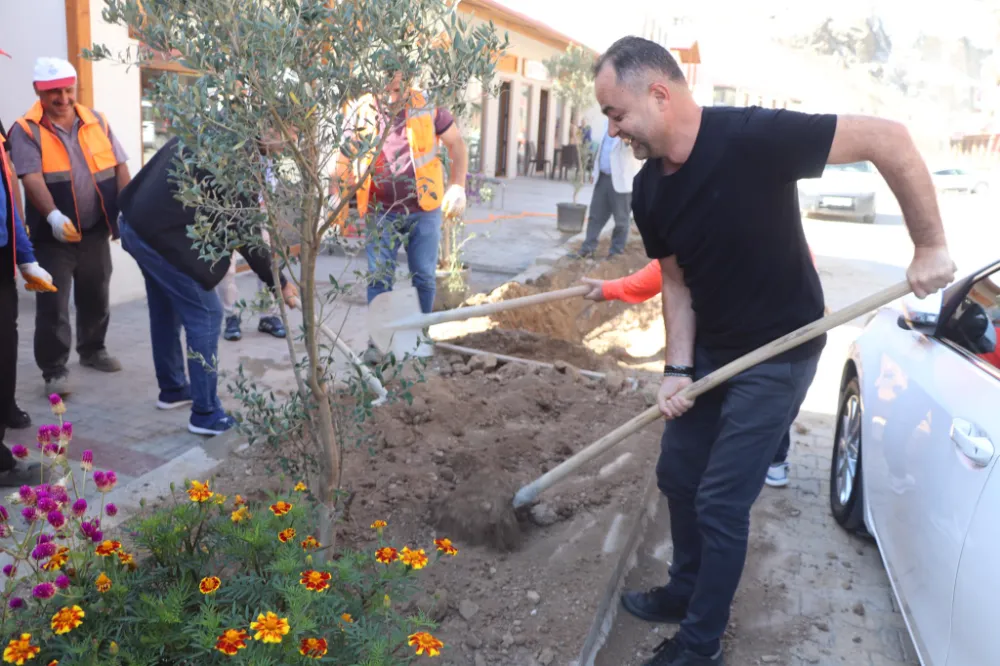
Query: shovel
point(395, 322)
point(528, 493)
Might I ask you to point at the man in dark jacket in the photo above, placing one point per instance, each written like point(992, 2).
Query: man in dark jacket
point(180, 288)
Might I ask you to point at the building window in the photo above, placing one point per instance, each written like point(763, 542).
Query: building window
point(723, 96)
point(156, 130)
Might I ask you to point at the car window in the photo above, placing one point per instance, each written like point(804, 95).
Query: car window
point(975, 324)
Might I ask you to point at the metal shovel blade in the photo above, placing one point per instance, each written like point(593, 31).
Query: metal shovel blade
point(387, 317)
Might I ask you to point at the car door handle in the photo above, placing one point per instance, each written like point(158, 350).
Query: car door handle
point(975, 446)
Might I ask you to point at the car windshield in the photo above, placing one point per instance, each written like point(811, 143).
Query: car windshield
point(853, 167)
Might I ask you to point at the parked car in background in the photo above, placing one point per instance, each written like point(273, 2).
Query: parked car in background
point(845, 191)
point(960, 180)
point(915, 458)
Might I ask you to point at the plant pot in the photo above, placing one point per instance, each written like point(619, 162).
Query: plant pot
point(452, 290)
point(570, 217)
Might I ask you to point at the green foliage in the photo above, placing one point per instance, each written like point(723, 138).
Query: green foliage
point(573, 79)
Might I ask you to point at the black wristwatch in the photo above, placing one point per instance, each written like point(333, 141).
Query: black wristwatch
point(678, 371)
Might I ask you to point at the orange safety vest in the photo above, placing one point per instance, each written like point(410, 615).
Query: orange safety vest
point(424, 151)
point(57, 169)
point(7, 173)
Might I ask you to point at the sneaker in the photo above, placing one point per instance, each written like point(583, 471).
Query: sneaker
point(232, 331)
point(656, 605)
point(58, 385)
point(671, 653)
point(777, 475)
point(212, 424)
point(271, 325)
point(23, 474)
point(373, 355)
point(18, 418)
point(101, 361)
point(174, 398)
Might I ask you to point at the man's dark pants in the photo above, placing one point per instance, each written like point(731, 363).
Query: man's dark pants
point(712, 466)
point(605, 203)
point(8, 348)
point(83, 269)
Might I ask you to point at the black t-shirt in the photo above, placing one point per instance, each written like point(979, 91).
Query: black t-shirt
point(731, 217)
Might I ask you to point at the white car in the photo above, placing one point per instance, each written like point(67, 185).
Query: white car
point(960, 180)
point(844, 191)
point(914, 457)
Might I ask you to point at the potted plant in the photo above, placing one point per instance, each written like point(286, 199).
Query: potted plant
point(572, 76)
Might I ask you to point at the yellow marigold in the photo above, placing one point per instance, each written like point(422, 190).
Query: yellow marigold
point(415, 559)
point(57, 561)
point(209, 585)
point(103, 583)
point(386, 555)
point(317, 581)
point(67, 619)
point(20, 650)
point(446, 547)
point(310, 543)
point(300, 487)
point(54, 662)
point(346, 617)
point(106, 548)
point(314, 648)
point(424, 642)
point(220, 499)
point(379, 524)
point(240, 514)
point(199, 492)
point(269, 628)
point(286, 535)
point(280, 508)
point(232, 641)
point(239, 501)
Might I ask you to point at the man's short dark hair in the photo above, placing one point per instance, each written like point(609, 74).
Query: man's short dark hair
point(632, 56)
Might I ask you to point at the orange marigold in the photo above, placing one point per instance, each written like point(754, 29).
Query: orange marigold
point(106, 548)
point(444, 545)
point(314, 648)
point(240, 514)
point(280, 508)
point(239, 501)
point(103, 583)
point(310, 543)
point(20, 650)
point(126, 559)
point(269, 628)
point(209, 584)
point(424, 642)
point(199, 492)
point(57, 561)
point(379, 524)
point(386, 555)
point(54, 662)
point(346, 617)
point(317, 581)
point(286, 535)
point(67, 619)
point(415, 559)
point(232, 641)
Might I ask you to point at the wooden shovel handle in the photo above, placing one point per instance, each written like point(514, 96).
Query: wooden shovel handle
point(458, 314)
point(528, 493)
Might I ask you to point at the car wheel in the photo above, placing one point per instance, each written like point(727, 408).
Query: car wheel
point(846, 487)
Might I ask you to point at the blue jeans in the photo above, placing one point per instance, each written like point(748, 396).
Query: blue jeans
point(421, 231)
point(176, 300)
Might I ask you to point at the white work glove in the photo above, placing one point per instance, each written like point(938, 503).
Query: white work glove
point(36, 278)
point(454, 201)
point(62, 227)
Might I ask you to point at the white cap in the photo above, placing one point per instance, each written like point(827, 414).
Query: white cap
point(54, 73)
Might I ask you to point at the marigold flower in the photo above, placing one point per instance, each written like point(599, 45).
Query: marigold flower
point(44, 591)
point(444, 545)
point(87, 460)
point(310, 543)
point(240, 514)
point(314, 648)
point(219, 499)
point(20, 650)
point(20, 452)
point(209, 585)
point(386, 555)
point(232, 641)
point(62, 581)
point(199, 492)
point(424, 642)
point(58, 560)
point(108, 548)
point(126, 559)
point(415, 559)
point(111, 510)
point(379, 524)
point(286, 535)
point(54, 662)
point(67, 619)
point(317, 581)
point(269, 628)
point(346, 617)
point(300, 487)
point(103, 583)
point(280, 508)
point(79, 507)
point(239, 501)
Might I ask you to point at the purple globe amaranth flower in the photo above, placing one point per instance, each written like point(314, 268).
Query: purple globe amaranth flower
point(67, 430)
point(97, 536)
point(29, 513)
point(9, 569)
point(105, 481)
point(62, 582)
point(44, 551)
point(54, 399)
point(43, 538)
point(87, 460)
point(15, 603)
point(47, 504)
point(111, 510)
point(19, 451)
point(79, 507)
point(51, 450)
point(100, 478)
point(4, 516)
point(6, 530)
point(57, 519)
point(60, 495)
point(87, 528)
point(44, 591)
point(27, 495)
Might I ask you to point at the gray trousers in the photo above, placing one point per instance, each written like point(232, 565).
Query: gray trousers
point(605, 203)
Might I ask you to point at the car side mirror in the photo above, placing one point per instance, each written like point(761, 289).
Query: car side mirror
point(921, 315)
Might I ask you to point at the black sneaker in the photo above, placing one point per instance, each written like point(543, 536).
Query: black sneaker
point(18, 418)
point(24, 474)
point(232, 331)
point(656, 605)
point(271, 324)
point(671, 653)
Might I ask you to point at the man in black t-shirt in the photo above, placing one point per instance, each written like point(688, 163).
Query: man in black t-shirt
point(716, 202)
